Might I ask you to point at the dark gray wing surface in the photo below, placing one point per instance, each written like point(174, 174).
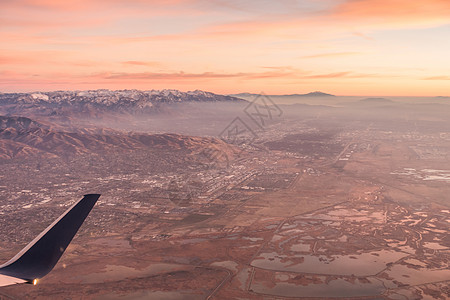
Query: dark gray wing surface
point(39, 257)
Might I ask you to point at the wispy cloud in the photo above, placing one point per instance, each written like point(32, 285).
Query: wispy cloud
point(185, 75)
point(335, 54)
point(84, 5)
point(141, 63)
point(362, 35)
point(15, 60)
point(224, 43)
point(347, 74)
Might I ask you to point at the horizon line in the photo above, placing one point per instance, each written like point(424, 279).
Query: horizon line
point(224, 94)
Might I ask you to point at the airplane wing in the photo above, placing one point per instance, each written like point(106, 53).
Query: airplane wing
point(39, 257)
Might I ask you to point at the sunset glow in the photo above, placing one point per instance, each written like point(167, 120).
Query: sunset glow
point(345, 47)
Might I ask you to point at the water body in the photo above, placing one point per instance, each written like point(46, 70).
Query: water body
point(301, 248)
point(145, 295)
point(415, 276)
point(334, 288)
point(426, 174)
point(118, 272)
point(363, 264)
point(434, 246)
point(349, 215)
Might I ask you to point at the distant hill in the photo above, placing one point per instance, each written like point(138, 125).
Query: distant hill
point(376, 101)
point(19, 123)
point(24, 138)
point(244, 95)
point(312, 94)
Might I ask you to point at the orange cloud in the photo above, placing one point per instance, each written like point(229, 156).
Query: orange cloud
point(277, 74)
point(331, 75)
point(223, 44)
point(438, 78)
point(43, 57)
point(398, 12)
point(346, 74)
point(184, 75)
point(165, 76)
point(15, 60)
point(344, 18)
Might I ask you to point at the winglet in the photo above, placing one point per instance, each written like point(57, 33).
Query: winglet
point(39, 257)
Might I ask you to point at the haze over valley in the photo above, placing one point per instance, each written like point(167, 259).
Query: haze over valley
point(205, 195)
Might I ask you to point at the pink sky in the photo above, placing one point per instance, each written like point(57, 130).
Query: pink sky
point(345, 47)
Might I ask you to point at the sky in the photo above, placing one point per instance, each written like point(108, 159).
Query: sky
point(344, 47)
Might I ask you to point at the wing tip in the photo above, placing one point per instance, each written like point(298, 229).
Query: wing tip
point(38, 258)
point(92, 196)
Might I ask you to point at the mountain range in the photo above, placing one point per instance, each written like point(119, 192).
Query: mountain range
point(93, 101)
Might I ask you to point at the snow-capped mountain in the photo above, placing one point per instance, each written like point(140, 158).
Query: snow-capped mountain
point(114, 99)
point(131, 110)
